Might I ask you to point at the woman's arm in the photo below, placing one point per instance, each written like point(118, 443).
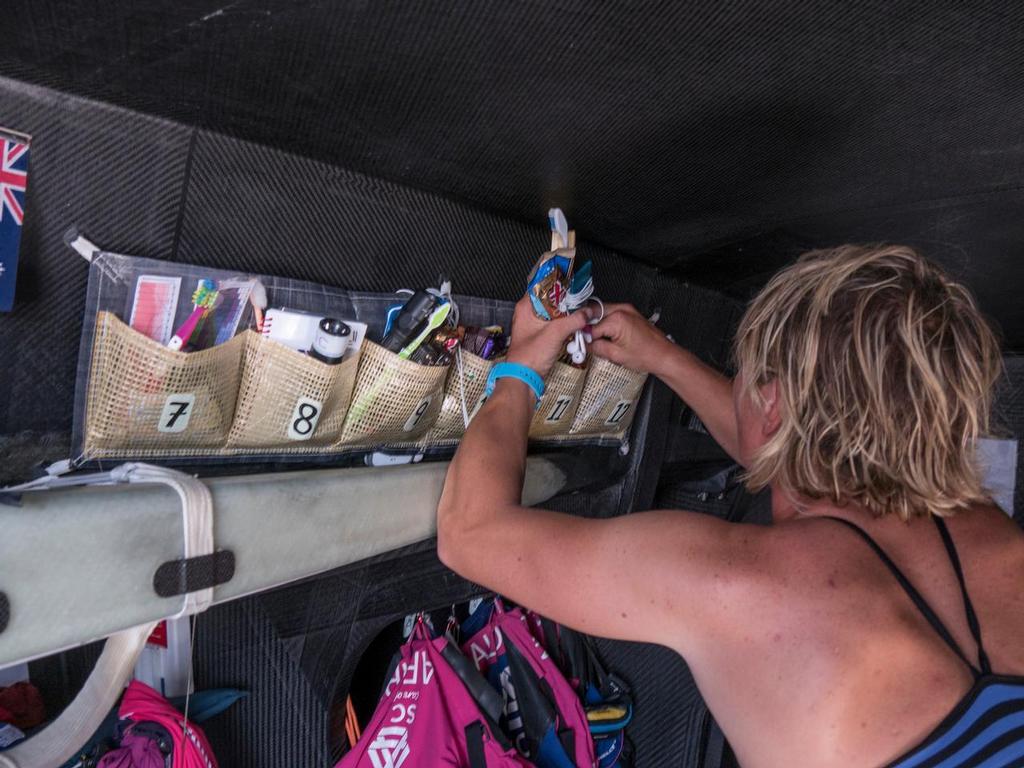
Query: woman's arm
point(626, 337)
point(666, 577)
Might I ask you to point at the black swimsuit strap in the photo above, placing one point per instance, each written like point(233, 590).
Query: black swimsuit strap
point(919, 602)
point(972, 618)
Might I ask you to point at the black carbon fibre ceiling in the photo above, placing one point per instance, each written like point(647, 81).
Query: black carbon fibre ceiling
point(713, 139)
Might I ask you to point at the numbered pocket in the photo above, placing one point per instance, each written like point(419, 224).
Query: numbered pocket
point(289, 402)
point(465, 387)
point(557, 408)
point(145, 400)
point(394, 400)
point(609, 399)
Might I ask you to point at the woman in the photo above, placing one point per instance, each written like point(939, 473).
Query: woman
point(865, 376)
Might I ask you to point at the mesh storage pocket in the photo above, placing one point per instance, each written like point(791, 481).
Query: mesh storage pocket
point(289, 402)
point(450, 422)
point(394, 400)
point(146, 400)
point(608, 400)
point(562, 389)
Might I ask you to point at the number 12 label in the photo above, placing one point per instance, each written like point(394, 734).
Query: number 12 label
point(176, 412)
point(618, 412)
point(304, 418)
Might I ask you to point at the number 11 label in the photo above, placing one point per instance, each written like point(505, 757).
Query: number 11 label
point(558, 410)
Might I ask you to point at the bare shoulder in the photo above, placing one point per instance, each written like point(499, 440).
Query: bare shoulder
point(807, 580)
point(991, 549)
point(699, 574)
point(757, 583)
point(986, 528)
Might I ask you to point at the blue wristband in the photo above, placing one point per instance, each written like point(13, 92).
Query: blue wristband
point(526, 375)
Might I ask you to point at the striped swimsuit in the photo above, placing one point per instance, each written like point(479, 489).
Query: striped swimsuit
point(986, 729)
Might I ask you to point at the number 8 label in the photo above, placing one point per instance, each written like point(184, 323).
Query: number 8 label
point(304, 418)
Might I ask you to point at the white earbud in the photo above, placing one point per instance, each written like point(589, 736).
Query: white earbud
point(577, 348)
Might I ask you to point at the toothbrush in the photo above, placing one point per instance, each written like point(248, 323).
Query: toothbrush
point(435, 321)
point(204, 299)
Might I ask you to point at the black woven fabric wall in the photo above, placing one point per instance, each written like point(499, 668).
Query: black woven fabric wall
point(977, 238)
point(279, 723)
point(719, 108)
point(251, 207)
point(678, 133)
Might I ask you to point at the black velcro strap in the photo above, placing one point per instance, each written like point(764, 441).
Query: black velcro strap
point(487, 699)
point(5, 611)
point(179, 577)
point(475, 745)
point(567, 739)
point(554, 647)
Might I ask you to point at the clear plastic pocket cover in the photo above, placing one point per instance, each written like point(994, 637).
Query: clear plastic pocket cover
point(246, 395)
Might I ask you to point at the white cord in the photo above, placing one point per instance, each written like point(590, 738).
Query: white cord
point(188, 686)
point(462, 387)
point(575, 300)
point(197, 520)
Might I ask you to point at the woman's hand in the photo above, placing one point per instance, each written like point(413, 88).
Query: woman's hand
point(537, 343)
point(629, 339)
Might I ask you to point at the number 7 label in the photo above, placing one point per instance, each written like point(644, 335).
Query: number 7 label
point(176, 412)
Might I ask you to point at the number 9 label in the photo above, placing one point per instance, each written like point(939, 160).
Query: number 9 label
point(418, 412)
point(304, 418)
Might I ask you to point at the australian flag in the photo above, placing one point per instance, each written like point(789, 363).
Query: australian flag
point(13, 179)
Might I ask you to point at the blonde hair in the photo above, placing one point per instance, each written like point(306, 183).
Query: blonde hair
point(885, 370)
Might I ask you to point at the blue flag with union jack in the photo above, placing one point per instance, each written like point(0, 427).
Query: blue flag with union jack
point(13, 179)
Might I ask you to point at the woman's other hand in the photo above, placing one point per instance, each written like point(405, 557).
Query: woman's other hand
point(629, 339)
point(537, 343)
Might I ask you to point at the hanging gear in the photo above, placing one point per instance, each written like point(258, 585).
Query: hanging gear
point(606, 698)
point(436, 710)
point(541, 712)
point(152, 733)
